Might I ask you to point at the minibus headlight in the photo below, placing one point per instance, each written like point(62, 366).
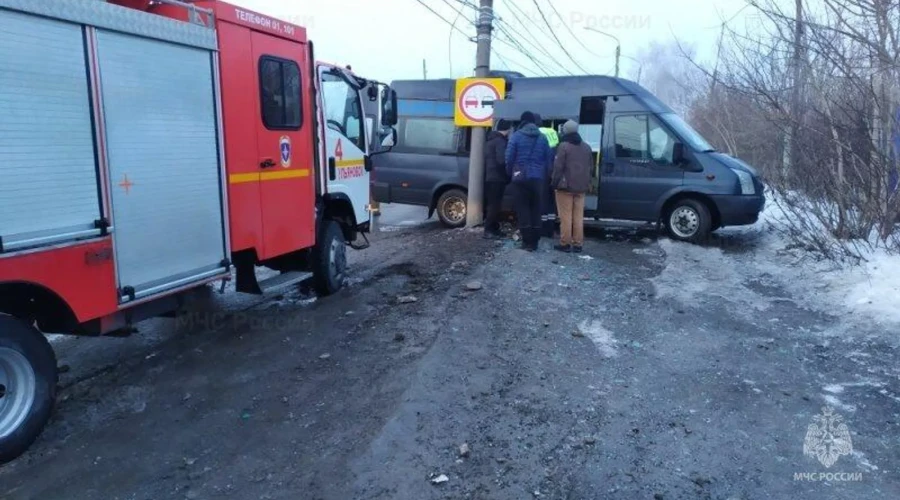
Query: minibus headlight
point(746, 179)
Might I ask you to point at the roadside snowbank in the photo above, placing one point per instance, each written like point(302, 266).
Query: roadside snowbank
point(871, 288)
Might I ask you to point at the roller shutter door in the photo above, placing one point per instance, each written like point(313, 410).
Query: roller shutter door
point(49, 191)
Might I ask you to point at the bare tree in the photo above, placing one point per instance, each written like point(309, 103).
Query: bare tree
point(811, 97)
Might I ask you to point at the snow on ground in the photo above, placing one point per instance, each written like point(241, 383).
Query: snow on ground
point(869, 291)
point(602, 338)
point(872, 289)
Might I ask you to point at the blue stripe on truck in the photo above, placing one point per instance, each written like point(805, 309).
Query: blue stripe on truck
point(409, 107)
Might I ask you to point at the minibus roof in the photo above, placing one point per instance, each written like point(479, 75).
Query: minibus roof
point(554, 97)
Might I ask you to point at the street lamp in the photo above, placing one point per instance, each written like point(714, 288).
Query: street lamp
point(640, 67)
point(618, 45)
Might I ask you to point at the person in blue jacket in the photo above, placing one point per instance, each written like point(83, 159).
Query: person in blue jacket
point(528, 165)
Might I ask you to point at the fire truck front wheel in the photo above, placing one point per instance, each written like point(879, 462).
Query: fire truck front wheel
point(28, 380)
point(330, 259)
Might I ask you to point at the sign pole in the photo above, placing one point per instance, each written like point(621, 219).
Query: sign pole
point(474, 204)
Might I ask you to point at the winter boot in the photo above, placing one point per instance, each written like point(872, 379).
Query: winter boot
point(535, 239)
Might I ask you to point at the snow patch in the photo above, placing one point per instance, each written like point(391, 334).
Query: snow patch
point(873, 289)
point(694, 274)
point(602, 338)
point(858, 455)
point(835, 402)
point(834, 388)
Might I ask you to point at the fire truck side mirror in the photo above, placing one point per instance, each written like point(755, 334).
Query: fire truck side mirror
point(372, 90)
point(388, 107)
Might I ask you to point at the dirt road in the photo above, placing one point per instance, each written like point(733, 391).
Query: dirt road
point(642, 369)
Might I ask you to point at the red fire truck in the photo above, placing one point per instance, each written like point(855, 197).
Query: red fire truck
point(150, 148)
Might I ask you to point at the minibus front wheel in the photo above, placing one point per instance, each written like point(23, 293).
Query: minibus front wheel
point(689, 220)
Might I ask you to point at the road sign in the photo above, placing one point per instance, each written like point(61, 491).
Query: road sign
point(475, 99)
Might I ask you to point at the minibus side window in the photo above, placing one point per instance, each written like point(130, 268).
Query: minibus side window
point(427, 135)
point(642, 137)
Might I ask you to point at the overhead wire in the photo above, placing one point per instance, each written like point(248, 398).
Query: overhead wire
point(459, 14)
point(537, 65)
point(531, 39)
point(514, 42)
point(569, 29)
point(442, 18)
point(558, 41)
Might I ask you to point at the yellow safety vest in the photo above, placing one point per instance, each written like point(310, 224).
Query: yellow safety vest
point(551, 136)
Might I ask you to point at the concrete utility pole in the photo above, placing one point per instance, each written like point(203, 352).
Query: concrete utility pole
point(474, 204)
point(618, 45)
point(618, 55)
point(791, 149)
point(424, 70)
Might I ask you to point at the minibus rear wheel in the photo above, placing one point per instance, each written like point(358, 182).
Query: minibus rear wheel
point(689, 220)
point(451, 208)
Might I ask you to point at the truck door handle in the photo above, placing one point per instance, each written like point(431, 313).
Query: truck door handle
point(267, 163)
point(332, 168)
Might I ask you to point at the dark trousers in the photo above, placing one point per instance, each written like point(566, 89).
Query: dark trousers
point(549, 216)
point(493, 198)
point(529, 206)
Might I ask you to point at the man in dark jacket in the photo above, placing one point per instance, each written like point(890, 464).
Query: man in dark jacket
point(495, 177)
point(528, 167)
point(572, 179)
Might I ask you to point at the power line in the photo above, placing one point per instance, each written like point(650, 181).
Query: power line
point(515, 44)
point(569, 29)
point(459, 12)
point(533, 42)
point(534, 61)
point(442, 18)
point(450, 38)
point(515, 10)
point(558, 42)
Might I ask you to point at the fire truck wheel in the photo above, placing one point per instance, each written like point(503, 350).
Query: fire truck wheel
point(330, 263)
point(28, 380)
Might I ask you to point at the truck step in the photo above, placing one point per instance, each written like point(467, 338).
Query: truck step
point(284, 280)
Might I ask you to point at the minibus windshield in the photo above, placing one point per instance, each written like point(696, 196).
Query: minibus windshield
point(687, 133)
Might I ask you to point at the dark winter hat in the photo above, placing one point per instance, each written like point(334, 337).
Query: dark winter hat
point(503, 125)
point(527, 117)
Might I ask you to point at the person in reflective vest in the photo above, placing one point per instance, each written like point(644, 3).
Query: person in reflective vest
point(548, 197)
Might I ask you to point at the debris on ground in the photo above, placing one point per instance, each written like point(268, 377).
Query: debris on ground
point(325, 356)
point(407, 299)
point(585, 257)
point(474, 286)
point(577, 334)
point(459, 265)
point(399, 337)
point(464, 450)
point(590, 440)
point(440, 479)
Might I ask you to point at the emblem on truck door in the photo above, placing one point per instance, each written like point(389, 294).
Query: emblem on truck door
point(285, 146)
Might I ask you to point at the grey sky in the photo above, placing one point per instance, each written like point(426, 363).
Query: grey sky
point(388, 39)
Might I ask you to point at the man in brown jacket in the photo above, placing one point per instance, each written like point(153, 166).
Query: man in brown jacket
point(571, 179)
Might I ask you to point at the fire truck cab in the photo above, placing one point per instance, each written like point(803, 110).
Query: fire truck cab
point(149, 148)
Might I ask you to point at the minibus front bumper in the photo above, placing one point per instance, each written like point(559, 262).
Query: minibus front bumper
point(739, 210)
